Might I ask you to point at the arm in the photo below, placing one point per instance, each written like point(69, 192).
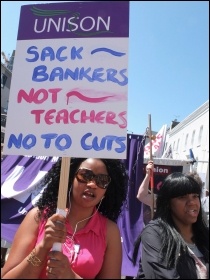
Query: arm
point(17, 265)
point(111, 268)
point(143, 194)
point(152, 267)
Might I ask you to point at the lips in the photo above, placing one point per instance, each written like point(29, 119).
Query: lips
point(88, 194)
point(193, 212)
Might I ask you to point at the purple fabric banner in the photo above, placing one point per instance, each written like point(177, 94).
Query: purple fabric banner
point(131, 220)
point(74, 20)
point(20, 188)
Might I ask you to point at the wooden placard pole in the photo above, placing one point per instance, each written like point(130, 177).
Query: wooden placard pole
point(63, 184)
point(62, 193)
point(152, 177)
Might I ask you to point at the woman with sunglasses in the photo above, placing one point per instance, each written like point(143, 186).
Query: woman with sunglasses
point(91, 242)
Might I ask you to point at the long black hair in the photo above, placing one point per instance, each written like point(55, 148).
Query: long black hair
point(110, 206)
point(175, 185)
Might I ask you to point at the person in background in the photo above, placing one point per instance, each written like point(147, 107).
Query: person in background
point(175, 244)
point(91, 242)
point(205, 205)
point(145, 196)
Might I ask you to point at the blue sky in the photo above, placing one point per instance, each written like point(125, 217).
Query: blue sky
point(168, 58)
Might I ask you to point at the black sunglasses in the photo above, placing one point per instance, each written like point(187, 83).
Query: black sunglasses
point(85, 175)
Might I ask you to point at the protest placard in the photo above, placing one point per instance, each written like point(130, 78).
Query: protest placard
point(68, 94)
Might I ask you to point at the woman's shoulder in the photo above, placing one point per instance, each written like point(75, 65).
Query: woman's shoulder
point(112, 229)
point(33, 214)
point(152, 226)
point(33, 211)
point(29, 225)
point(111, 224)
point(152, 234)
point(113, 236)
point(153, 223)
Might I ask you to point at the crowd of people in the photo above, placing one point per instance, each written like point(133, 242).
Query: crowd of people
point(174, 243)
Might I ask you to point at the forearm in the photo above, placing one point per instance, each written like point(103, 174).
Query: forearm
point(30, 267)
point(143, 194)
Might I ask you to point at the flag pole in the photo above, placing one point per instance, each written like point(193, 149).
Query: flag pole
point(152, 176)
point(62, 194)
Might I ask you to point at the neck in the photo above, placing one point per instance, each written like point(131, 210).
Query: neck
point(185, 229)
point(79, 216)
point(187, 234)
point(80, 212)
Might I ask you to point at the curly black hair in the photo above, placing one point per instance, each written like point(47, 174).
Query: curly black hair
point(111, 205)
point(175, 185)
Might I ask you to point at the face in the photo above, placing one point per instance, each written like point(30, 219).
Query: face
point(185, 209)
point(89, 185)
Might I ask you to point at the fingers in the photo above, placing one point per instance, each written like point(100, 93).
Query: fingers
point(55, 230)
point(55, 227)
point(58, 218)
point(51, 265)
point(149, 168)
point(149, 165)
point(53, 257)
point(51, 273)
point(57, 222)
point(57, 265)
point(49, 269)
point(52, 262)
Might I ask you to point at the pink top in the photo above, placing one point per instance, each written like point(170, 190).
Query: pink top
point(91, 241)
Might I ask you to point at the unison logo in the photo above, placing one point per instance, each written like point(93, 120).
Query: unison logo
point(48, 21)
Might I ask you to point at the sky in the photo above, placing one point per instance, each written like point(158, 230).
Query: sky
point(168, 67)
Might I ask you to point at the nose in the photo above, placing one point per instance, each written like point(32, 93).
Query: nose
point(92, 184)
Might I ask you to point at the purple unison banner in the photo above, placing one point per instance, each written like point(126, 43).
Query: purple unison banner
point(20, 189)
point(96, 19)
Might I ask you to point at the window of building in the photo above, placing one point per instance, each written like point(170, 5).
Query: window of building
point(200, 135)
point(3, 80)
point(186, 140)
point(174, 146)
point(177, 146)
point(3, 120)
point(193, 138)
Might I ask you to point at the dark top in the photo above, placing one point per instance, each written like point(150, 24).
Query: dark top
point(152, 267)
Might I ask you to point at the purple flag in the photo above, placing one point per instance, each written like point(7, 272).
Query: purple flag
point(131, 220)
point(20, 188)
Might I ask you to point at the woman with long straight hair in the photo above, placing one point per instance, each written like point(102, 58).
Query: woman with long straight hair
point(175, 244)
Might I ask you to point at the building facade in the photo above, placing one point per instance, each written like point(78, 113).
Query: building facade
point(189, 139)
point(6, 76)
